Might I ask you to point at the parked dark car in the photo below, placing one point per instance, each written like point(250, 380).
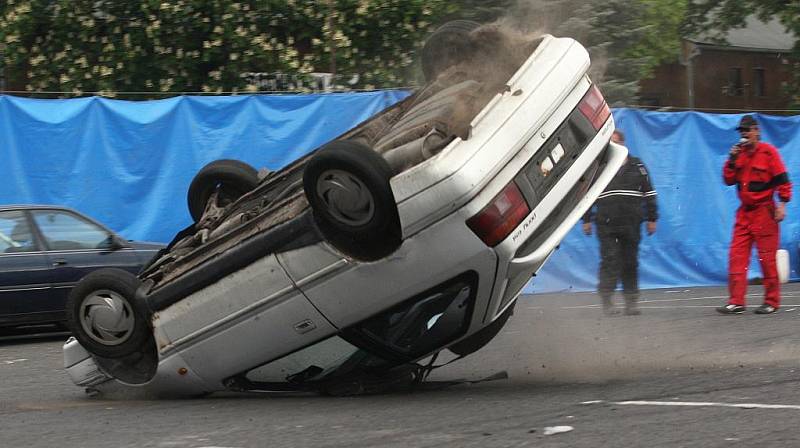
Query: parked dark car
point(45, 250)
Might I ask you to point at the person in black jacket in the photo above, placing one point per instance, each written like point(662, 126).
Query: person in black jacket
point(618, 214)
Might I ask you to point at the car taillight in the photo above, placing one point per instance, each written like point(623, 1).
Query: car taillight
point(501, 216)
point(594, 107)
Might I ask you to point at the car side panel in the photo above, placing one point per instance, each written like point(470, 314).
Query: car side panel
point(25, 293)
point(306, 265)
point(240, 322)
point(260, 337)
point(68, 267)
point(445, 250)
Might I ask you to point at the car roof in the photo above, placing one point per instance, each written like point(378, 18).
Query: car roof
point(10, 207)
point(33, 207)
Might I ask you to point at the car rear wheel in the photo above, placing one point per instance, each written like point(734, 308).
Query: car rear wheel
point(103, 315)
point(230, 179)
point(347, 186)
point(446, 47)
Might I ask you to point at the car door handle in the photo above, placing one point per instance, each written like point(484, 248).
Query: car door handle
point(59, 262)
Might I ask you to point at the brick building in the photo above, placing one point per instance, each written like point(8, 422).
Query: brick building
point(749, 72)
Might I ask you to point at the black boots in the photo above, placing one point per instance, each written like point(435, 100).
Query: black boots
point(608, 306)
point(632, 306)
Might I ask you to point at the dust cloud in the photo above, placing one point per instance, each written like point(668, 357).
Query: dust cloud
point(561, 18)
point(566, 339)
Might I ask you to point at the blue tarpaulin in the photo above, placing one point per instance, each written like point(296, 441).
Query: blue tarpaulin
point(129, 164)
point(684, 152)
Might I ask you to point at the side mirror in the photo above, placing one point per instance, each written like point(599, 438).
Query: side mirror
point(114, 242)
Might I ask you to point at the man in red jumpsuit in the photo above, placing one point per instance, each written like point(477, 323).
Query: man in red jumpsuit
point(758, 172)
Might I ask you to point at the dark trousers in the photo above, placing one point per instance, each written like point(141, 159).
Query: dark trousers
point(619, 259)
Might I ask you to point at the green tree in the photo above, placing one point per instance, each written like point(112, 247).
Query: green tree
point(626, 39)
point(166, 46)
point(154, 46)
point(660, 37)
point(481, 11)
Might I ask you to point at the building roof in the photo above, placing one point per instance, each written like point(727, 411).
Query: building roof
point(755, 35)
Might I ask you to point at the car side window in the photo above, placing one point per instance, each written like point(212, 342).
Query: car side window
point(15, 233)
point(66, 231)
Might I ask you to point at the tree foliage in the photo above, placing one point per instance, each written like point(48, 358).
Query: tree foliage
point(660, 38)
point(481, 11)
point(206, 45)
point(152, 46)
point(111, 46)
point(626, 39)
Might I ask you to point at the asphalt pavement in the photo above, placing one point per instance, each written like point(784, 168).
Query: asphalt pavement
point(679, 375)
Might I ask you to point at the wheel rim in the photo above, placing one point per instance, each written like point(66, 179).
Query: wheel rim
point(345, 197)
point(107, 317)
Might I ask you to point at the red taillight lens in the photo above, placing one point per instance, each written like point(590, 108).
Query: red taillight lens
point(594, 107)
point(501, 216)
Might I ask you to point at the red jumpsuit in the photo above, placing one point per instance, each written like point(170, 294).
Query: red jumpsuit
point(757, 173)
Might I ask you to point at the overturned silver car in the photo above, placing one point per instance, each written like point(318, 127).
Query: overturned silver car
point(409, 235)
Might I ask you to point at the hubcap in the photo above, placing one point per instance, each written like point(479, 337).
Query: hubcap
point(107, 317)
point(346, 197)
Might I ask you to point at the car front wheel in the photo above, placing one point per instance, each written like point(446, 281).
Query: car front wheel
point(230, 179)
point(347, 186)
point(447, 46)
point(103, 315)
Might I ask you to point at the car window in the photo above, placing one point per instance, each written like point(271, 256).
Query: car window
point(66, 231)
point(15, 233)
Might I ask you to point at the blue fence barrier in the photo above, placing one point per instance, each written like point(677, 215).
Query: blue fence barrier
point(128, 164)
point(684, 152)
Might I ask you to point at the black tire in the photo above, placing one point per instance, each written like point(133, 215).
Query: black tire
point(233, 177)
point(104, 317)
point(447, 46)
point(479, 339)
point(347, 186)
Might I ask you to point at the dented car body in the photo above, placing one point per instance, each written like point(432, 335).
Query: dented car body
point(327, 276)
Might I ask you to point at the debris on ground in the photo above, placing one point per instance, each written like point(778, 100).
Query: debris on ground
point(552, 430)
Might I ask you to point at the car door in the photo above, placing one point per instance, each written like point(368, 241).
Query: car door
point(24, 275)
point(75, 246)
